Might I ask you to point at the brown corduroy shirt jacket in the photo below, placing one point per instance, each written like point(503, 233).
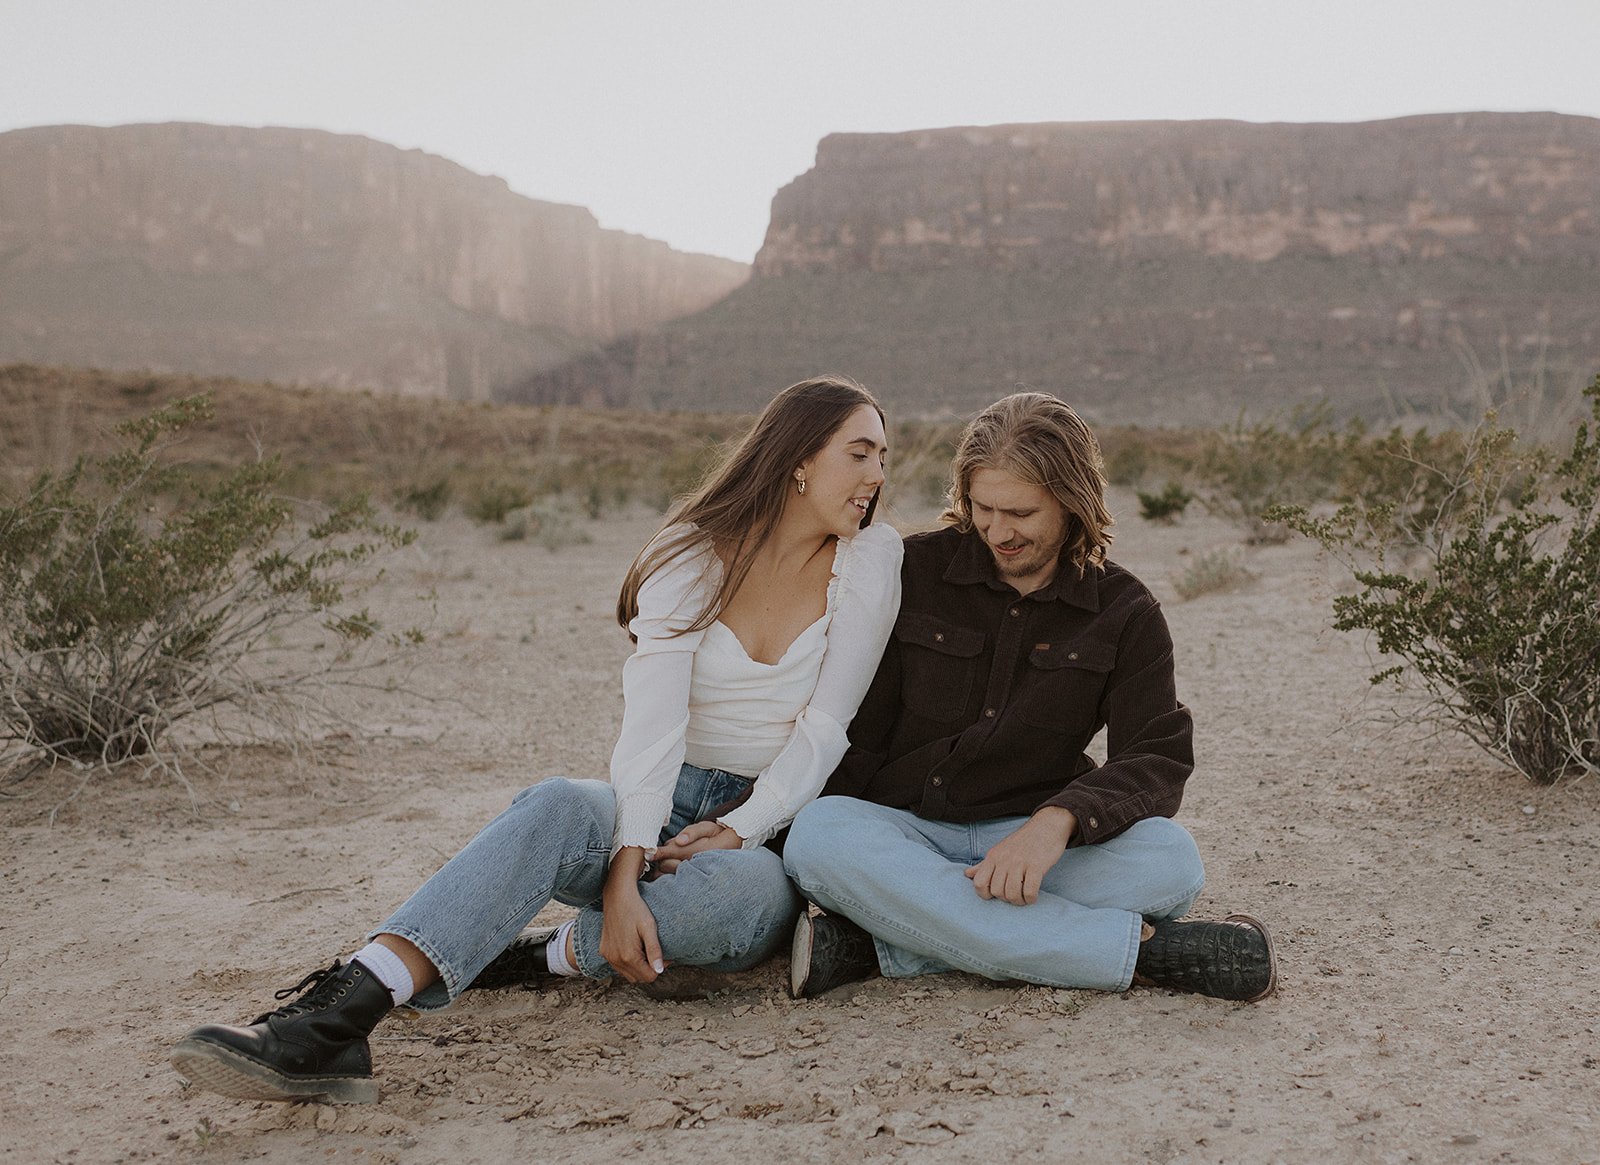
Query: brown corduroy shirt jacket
point(985, 701)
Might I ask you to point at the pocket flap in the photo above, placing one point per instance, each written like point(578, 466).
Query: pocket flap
point(945, 638)
point(1091, 656)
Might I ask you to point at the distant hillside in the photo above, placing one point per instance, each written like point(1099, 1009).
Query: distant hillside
point(1155, 272)
point(396, 449)
point(298, 255)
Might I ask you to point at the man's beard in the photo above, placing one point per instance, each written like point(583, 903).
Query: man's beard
point(1032, 560)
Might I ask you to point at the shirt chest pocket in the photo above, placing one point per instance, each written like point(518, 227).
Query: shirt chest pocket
point(939, 665)
point(1063, 684)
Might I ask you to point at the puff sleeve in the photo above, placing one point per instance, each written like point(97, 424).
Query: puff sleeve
point(655, 695)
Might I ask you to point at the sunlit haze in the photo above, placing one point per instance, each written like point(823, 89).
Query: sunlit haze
point(680, 120)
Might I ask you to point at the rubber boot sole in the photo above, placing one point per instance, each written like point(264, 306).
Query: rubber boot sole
point(800, 956)
point(223, 1070)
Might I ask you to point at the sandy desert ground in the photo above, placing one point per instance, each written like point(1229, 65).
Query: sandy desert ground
point(1433, 911)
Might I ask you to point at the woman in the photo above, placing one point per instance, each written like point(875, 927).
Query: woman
point(758, 613)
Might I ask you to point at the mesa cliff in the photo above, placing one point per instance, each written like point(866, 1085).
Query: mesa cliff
point(299, 255)
point(1156, 272)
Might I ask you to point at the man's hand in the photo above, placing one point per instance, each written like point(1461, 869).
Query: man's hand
point(1014, 869)
point(628, 938)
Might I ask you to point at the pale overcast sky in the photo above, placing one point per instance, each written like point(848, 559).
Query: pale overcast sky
point(680, 119)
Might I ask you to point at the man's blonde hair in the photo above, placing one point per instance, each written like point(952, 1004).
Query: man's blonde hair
point(1039, 440)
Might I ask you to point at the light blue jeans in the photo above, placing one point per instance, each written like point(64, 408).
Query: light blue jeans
point(900, 877)
point(723, 909)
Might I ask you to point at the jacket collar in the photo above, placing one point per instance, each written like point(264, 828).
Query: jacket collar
point(973, 564)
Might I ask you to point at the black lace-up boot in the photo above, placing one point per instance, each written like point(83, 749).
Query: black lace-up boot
point(312, 1049)
point(525, 963)
point(1231, 959)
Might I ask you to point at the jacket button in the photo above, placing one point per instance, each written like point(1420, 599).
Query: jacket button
point(989, 712)
point(1015, 611)
point(936, 782)
point(1094, 823)
point(938, 636)
point(1072, 655)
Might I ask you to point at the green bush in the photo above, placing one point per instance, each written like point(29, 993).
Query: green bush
point(1481, 577)
point(133, 595)
point(1165, 507)
point(1245, 469)
point(1127, 464)
point(557, 530)
point(493, 500)
point(427, 501)
point(677, 474)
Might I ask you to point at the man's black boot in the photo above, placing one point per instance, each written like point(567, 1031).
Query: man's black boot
point(829, 951)
point(312, 1049)
point(1231, 959)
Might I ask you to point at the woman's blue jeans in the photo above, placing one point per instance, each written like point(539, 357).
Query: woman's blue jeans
point(723, 909)
point(900, 876)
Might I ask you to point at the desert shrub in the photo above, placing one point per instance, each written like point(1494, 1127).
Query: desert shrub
point(135, 594)
point(1212, 572)
point(550, 522)
point(516, 527)
point(555, 528)
point(1165, 507)
point(684, 469)
point(678, 472)
point(1136, 456)
point(1482, 580)
point(428, 501)
point(601, 487)
point(1244, 469)
point(1127, 463)
point(491, 501)
point(919, 465)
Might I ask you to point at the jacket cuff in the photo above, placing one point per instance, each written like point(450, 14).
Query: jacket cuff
point(1098, 822)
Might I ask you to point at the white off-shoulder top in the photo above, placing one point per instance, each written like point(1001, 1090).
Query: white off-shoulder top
point(699, 697)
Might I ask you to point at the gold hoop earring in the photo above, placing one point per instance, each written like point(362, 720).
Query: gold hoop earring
point(800, 486)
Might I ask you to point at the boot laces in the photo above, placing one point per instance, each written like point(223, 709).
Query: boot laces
point(324, 986)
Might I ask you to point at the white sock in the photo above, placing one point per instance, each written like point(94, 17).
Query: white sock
point(387, 968)
point(555, 951)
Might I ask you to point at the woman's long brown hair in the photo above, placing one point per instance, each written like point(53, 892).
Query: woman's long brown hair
point(738, 506)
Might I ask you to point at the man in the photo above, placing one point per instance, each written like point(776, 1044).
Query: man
point(966, 828)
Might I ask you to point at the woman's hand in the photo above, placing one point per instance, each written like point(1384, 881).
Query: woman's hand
point(696, 838)
point(628, 939)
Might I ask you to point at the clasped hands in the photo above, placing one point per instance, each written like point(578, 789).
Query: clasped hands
point(628, 938)
point(695, 838)
point(1014, 869)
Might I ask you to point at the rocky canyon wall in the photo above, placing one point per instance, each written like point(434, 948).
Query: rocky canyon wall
point(301, 255)
point(1158, 272)
point(1495, 187)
